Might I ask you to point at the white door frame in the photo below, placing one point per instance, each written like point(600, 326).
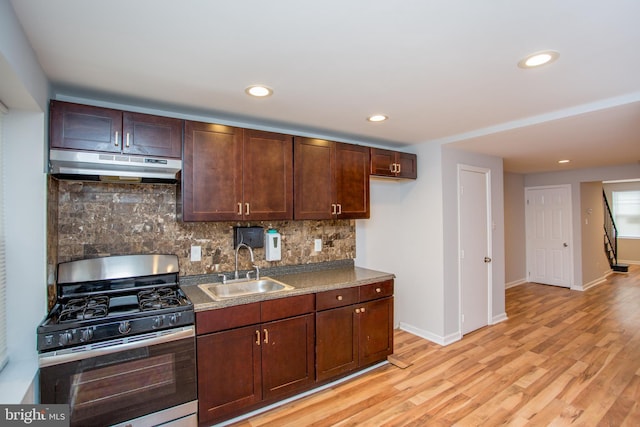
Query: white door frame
point(569, 225)
point(487, 174)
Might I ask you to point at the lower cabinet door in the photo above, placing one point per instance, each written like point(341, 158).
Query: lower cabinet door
point(228, 372)
point(375, 323)
point(336, 342)
point(287, 355)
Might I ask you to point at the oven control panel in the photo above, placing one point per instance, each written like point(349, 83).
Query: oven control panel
point(104, 331)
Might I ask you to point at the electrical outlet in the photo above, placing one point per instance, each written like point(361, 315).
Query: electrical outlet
point(317, 245)
point(196, 253)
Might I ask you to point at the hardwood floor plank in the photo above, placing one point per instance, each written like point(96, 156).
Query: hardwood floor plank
point(562, 358)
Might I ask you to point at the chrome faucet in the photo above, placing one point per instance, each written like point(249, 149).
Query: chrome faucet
point(253, 264)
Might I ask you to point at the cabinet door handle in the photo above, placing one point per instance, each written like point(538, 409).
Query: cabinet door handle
point(392, 167)
point(339, 297)
point(399, 167)
point(333, 209)
point(117, 137)
point(246, 208)
point(357, 311)
point(258, 337)
point(127, 139)
point(339, 209)
point(239, 208)
point(362, 310)
point(378, 290)
point(266, 336)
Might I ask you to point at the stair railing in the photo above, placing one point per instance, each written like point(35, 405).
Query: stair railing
point(610, 232)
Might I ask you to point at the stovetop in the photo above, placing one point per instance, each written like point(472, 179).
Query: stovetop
point(114, 305)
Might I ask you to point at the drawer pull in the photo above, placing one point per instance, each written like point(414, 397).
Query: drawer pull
point(362, 310)
point(339, 297)
point(378, 290)
point(357, 311)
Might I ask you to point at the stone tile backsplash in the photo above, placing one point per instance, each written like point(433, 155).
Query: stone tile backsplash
point(100, 219)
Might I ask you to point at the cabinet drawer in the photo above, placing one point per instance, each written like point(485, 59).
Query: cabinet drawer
point(336, 298)
point(227, 318)
point(287, 307)
point(376, 290)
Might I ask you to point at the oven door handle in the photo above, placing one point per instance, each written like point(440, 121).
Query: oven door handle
point(74, 354)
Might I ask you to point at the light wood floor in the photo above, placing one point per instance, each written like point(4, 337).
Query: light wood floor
point(562, 358)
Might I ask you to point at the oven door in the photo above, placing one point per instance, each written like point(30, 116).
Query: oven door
point(120, 380)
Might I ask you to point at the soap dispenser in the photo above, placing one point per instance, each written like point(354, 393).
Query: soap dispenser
point(273, 246)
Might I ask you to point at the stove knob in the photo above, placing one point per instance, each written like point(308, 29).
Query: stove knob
point(86, 335)
point(124, 327)
point(65, 338)
point(173, 319)
point(157, 322)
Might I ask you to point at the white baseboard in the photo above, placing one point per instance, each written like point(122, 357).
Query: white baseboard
point(515, 283)
point(592, 283)
point(626, 261)
point(499, 318)
point(438, 339)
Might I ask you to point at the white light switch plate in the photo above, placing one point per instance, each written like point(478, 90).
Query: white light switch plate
point(196, 253)
point(317, 245)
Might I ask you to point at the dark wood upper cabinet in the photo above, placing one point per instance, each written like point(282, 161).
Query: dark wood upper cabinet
point(211, 181)
point(267, 174)
point(331, 180)
point(85, 127)
point(393, 164)
point(149, 135)
point(235, 174)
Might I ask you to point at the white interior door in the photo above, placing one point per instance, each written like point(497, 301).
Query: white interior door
point(548, 221)
point(474, 227)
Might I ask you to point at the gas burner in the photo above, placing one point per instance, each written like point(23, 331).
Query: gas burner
point(85, 308)
point(157, 298)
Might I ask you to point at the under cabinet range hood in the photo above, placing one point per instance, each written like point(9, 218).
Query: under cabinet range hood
point(90, 166)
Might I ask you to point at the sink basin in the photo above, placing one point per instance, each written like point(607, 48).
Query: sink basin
point(220, 291)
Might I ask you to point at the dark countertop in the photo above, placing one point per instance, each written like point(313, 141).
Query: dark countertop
point(305, 282)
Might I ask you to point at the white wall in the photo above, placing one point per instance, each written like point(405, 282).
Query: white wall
point(25, 90)
point(404, 237)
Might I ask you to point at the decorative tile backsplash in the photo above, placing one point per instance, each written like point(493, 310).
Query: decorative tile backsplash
point(100, 219)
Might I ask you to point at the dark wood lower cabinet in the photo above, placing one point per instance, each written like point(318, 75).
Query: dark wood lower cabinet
point(239, 368)
point(255, 354)
point(229, 372)
point(351, 337)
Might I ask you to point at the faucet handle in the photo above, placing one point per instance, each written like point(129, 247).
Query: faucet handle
point(224, 278)
point(249, 274)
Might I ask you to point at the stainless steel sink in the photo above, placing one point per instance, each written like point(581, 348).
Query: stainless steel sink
point(220, 291)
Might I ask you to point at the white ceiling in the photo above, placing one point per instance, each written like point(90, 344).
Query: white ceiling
point(444, 71)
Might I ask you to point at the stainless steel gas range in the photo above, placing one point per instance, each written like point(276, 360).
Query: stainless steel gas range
point(119, 344)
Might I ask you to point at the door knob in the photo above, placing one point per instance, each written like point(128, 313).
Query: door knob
point(487, 259)
point(565, 245)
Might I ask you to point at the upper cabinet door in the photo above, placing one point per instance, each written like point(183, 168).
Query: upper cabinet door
point(408, 165)
point(382, 162)
point(314, 178)
point(145, 134)
point(393, 163)
point(267, 176)
point(84, 127)
point(211, 184)
point(352, 181)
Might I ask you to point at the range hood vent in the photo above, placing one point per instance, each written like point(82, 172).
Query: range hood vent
point(89, 166)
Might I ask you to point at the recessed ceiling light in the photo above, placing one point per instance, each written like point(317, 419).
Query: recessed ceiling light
point(377, 118)
point(539, 58)
point(563, 161)
point(259, 91)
